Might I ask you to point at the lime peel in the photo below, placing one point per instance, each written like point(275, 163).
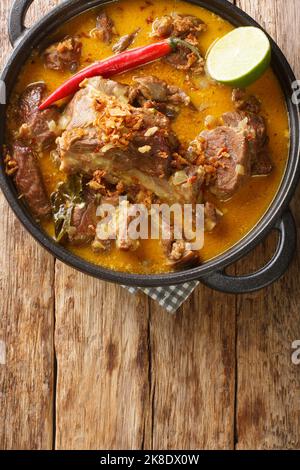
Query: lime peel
point(240, 57)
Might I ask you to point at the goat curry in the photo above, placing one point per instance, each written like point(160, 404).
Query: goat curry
point(163, 132)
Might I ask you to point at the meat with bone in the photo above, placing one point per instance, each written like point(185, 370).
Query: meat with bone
point(37, 128)
point(125, 137)
point(29, 181)
point(64, 55)
point(132, 144)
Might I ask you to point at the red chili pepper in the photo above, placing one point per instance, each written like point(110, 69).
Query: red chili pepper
point(119, 63)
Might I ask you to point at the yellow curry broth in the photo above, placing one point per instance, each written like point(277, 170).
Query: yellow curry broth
point(248, 205)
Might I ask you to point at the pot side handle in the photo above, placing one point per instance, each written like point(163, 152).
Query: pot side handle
point(17, 15)
point(270, 273)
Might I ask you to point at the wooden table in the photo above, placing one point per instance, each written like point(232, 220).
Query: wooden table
point(90, 366)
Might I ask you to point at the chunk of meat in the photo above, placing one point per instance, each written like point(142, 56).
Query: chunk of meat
point(29, 181)
point(127, 244)
point(224, 155)
point(125, 41)
point(105, 29)
point(168, 109)
point(64, 55)
point(151, 154)
point(185, 27)
point(261, 164)
point(162, 27)
point(253, 125)
point(232, 150)
point(182, 26)
point(184, 59)
point(254, 128)
point(151, 92)
point(38, 128)
point(84, 221)
point(179, 254)
point(177, 249)
point(155, 89)
point(244, 102)
point(211, 216)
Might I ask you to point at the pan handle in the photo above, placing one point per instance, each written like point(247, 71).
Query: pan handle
point(270, 273)
point(17, 15)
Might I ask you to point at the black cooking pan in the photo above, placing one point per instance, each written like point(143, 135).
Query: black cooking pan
point(212, 273)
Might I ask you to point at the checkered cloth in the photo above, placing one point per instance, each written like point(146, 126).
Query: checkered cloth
point(171, 297)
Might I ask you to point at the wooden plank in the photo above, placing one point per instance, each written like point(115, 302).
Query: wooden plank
point(26, 324)
point(193, 371)
point(268, 322)
point(102, 362)
point(26, 329)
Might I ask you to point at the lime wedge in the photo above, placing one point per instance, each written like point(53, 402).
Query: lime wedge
point(240, 57)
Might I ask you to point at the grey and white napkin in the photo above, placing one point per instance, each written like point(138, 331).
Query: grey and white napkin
point(170, 297)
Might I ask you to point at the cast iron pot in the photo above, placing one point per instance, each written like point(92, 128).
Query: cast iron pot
point(212, 273)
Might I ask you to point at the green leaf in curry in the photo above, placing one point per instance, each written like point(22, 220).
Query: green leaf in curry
point(68, 195)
